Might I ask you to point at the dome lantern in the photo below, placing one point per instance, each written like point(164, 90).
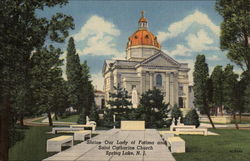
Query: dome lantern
point(143, 22)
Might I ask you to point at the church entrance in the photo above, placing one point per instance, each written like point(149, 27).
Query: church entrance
point(181, 103)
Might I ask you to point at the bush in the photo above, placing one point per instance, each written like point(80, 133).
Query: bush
point(192, 118)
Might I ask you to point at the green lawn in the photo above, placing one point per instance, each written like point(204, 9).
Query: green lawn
point(33, 146)
point(230, 145)
point(71, 118)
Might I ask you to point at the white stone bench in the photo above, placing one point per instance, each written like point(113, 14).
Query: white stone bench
point(80, 135)
point(172, 128)
point(55, 144)
point(176, 144)
point(165, 136)
point(93, 127)
point(192, 131)
point(133, 125)
point(64, 129)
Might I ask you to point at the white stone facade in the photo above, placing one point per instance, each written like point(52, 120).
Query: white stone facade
point(143, 76)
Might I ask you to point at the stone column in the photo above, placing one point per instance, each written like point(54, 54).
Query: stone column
point(151, 74)
point(171, 89)
point(167, 78)
point(111, 82)
point(143, 82)
point(186, 93)
point(176, 88)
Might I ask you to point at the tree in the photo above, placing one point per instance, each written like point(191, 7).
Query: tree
point(94, 114)
point(60, 101)
point(119, 101)
point(247, 98)
point(21, 33)
point(88, 90)
point(46, 79)
point(176, 113)
point(192, 118)
point(75, 82)
point(217, 81)
point(235, 31)
point(201, 77)
point(230, 92)
point(152, 108)
point(240, 93)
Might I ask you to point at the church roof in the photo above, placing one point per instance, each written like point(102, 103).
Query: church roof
point(164, 55)
point(143, 36)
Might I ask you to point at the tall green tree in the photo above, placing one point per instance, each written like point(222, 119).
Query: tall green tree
point(60, 93)
point(217, 81)
point(235, 30)
point(241, 88)
point(88, 90)
point(46, 79)
point(201, 78)
point(119, 103)
point(22, 31)
point(152, 108)
point(75, 81)
point(119, 99)
point(230, 92)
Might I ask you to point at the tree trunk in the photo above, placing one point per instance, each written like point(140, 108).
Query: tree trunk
point(21, 120)
point(235, 121)
point(4, 128)
point(209, 117)
point(50, 119)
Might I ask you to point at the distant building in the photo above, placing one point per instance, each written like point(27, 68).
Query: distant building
point(146, 67)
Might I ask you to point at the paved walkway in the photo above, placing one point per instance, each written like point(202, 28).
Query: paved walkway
point(91, 152)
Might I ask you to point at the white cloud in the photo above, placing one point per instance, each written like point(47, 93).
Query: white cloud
point(98, 81)
point(180, 50)
point(181, 26)
point(195, 43)
point(99, 35)
point(213, 57)
point(200, 41)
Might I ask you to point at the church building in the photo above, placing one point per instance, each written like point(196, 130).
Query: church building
point(146, 67)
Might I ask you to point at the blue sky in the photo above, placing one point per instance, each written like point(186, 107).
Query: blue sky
point(184, 29)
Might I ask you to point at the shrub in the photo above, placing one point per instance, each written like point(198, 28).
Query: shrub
point(192, 118)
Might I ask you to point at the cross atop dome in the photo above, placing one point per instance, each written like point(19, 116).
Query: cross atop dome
point(143, 22)
point(142, 13)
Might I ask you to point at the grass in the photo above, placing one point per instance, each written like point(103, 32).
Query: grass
point(33, 146)
point(71, 118)
point(230, 145)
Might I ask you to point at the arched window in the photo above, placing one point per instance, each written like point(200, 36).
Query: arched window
point(158, 80)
